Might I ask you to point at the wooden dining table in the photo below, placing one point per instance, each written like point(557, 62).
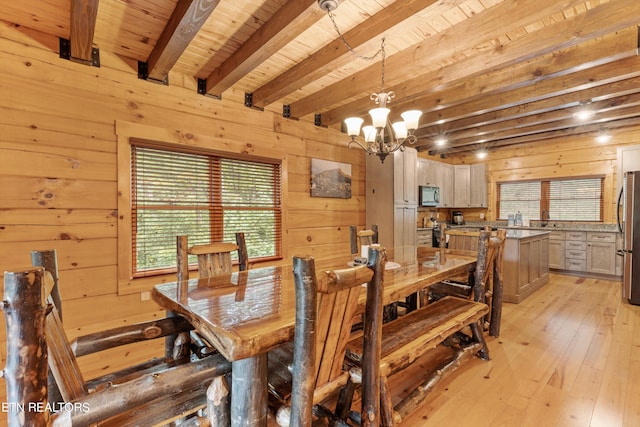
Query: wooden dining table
point(246, 314)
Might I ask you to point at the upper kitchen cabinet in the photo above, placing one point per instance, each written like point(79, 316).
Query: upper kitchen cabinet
point(461, 185)
point(444, 176)
point(405, 187)
point(478, 185)
point(427, 172)
point(470, 186)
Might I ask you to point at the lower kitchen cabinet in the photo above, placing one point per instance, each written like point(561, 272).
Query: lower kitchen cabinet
point(583, 251)
point(601, 253)
point(556, 250)
point(526, 266)
point(424, 237)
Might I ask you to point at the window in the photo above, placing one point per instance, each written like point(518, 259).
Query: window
point(206, 197)
point(523, 197)
point(578, 199)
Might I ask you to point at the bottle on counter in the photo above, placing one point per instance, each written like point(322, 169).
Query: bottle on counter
point(518, 219)
point(511, 221)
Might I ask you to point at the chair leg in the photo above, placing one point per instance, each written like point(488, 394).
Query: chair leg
point(478, 337)
point(386, 406)
point(345, 399)
point(219, 402)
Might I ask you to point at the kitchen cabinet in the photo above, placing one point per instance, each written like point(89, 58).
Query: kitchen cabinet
point(575, 251)
point(444, 176)
point(470, 186)
point(461, 186)
point(478, 185)
point(583, 252)
point(391, 198)
point(424, 236)
point(556, 250)
point(404, 232)
point(601, 253)
point(525, 264)
point(405, 188)
point(427, 172)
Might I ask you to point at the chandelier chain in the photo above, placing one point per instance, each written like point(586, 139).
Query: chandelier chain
point(350, 48)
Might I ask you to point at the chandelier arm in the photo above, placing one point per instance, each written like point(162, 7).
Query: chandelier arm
point(354, 141)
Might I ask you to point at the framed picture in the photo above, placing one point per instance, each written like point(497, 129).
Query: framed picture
point(330, 179)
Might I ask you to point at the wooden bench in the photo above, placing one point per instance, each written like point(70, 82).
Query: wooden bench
point(453, 321)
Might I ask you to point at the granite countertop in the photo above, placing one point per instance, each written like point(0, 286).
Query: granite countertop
point(524, 234)
point(553, 226)
point(511, 233)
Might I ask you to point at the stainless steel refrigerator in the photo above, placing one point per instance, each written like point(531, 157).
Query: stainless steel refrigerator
point(629, 224)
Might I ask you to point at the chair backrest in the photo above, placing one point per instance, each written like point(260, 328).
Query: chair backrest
point(362, 237)
point(215, 258)
point(326, 304)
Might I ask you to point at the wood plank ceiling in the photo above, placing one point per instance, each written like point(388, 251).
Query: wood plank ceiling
point(485, 73)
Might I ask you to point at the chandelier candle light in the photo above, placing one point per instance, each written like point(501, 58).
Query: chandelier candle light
point(383, 138)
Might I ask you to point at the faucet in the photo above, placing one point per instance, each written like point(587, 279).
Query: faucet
point(543, 220)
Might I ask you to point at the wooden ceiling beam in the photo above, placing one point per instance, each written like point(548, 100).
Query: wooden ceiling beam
point(429, 91)
point(573, 83)
point(490, 25)
point(335, 54)
point(608, 91)
point(287, 23)
point(564, 121)
point(83, 25)
point(187, 19)
point(532, 139)
point(500, 129)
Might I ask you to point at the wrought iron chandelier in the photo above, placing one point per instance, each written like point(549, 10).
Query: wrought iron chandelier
point(382, 137)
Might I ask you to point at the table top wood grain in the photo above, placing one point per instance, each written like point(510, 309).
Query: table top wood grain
point(247, 313)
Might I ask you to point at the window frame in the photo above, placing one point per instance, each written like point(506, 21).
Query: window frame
point(210, 166)
point(127, 133)
point(545, 184)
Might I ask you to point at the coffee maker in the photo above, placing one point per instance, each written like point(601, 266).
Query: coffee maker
point(457, 218)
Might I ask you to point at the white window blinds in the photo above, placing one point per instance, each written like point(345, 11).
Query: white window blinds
point(575, 200)
point(523, 197)
point(208, 198)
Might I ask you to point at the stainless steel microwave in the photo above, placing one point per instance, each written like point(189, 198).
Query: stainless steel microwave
point(428, 195)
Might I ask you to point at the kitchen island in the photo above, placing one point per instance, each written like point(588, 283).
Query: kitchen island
point(526, 258)
point(526, 263)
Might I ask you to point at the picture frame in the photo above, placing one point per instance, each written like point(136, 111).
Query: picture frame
point(330, 179)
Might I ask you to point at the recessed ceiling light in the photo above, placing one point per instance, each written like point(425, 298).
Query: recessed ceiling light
point(441, 140)
point(603, 137)
point(585, 112)
point(482, 154)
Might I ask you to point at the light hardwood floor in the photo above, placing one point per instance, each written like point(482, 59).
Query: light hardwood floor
point(567, 356)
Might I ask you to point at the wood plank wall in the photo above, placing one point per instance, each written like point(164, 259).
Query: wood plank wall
point(58, 168)
point(576, 156)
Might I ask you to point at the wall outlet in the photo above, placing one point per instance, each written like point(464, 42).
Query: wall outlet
point(145, 296)
point(481, 215)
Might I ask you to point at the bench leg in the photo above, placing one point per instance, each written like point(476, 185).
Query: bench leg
point(478, 337)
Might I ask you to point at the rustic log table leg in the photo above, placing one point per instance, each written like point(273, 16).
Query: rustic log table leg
point(249, 392)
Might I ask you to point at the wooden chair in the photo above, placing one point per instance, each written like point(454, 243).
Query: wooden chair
point(369, 237)
point(489, 287)
point(155, 391)
point(306, 373)
point(215, 258)
point(454, 322)
point(362, 237)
